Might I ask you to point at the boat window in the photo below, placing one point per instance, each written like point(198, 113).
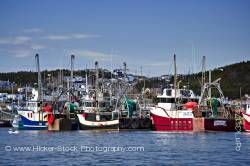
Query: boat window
point(31, 104)
point(88, 104)
point(162, 100)
point(166, 100)
point(104, 104)
point(168, 92)
point(185, 93)
point(107, 104)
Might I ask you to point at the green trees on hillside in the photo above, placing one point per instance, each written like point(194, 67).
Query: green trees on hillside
point(233, 77)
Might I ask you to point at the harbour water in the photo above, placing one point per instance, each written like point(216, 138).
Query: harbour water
point(122, 148)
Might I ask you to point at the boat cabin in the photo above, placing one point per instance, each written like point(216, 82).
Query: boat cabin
point(167, 99)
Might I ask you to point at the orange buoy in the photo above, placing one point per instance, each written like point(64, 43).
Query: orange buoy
point(191, 105)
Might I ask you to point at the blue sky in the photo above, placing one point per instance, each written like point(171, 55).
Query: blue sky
point(141, 32)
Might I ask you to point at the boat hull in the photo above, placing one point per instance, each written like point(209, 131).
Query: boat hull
point(87, 127)
point(5, 123)
point(27, 124)
point(135, 123)
point(93, 125)
point(172, 124)
point(246, 126)
point(246, 122)
point(190, 124)
point(219, 124)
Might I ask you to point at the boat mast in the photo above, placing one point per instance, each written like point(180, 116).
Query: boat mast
point(209, 82)
point(86, 81)
point(111, 78)
point(72, 60)
point(96, 83)
point(175, 78)
point(240, 99)
point(39, 78)
point(125, 74)
point(124, 70)
point(96, 76)
point(203, 75)
point(143, 90)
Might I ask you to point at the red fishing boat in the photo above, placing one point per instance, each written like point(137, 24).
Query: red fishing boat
point(246, 116)
point(211, 111)
point(171, 113)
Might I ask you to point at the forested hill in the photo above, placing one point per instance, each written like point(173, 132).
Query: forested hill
point(233, 77)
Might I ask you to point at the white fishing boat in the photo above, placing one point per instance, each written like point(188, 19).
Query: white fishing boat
point(95, 115)
point(98, 109)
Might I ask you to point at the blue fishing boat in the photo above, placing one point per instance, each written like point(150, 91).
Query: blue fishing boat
point(32, 115)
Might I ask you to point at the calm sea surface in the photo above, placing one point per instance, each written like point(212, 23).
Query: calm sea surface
point(122, 148)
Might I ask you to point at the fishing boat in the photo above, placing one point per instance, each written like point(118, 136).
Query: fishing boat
point(97, 114)
point(174, 112)
point(5, 118)
point(32, 116)
point(211, 112)
point(246, 117)
point(98, 107)
point(171, 113)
